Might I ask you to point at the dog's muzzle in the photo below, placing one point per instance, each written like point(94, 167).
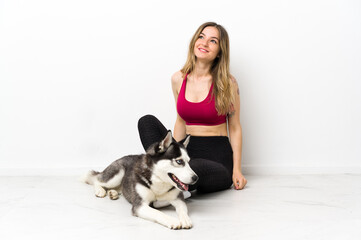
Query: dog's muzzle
point(181, 185)
point(195, 179)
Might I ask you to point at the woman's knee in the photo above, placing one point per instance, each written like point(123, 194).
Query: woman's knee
point(146, 119)
point(216, 185)
point(213, 176)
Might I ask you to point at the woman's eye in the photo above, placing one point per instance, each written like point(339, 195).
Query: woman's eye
point(214, 41)
point(201, 37)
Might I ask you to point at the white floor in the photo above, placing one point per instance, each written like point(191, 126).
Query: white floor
point(271, 207)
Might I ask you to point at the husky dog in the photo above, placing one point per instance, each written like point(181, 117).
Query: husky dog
point(159, 175)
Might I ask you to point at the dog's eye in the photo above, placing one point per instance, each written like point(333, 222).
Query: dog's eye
point(180, 162)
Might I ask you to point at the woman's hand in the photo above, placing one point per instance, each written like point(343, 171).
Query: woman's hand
point(239, 181)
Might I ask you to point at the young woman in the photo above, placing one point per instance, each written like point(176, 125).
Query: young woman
point(207, 98)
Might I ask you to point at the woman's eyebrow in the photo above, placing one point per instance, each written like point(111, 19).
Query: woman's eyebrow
point(211, 37)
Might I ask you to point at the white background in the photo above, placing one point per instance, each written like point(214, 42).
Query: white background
point(76, 75)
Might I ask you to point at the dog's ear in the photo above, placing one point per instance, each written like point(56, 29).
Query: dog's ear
point(186, 141)
point(166, 142)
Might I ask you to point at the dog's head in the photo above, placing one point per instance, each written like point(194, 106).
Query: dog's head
point(171, 162)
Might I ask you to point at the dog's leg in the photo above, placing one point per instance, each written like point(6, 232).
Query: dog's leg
point(107, 180)
point(99, 191)
point(113, 194)
point(151, 214)
point(92, 178)
point(182, 211)
point(160, 204)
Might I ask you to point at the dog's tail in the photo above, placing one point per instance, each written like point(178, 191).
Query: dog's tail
point(89, 177)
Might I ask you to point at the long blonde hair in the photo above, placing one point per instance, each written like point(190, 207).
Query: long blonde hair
point(223, 91)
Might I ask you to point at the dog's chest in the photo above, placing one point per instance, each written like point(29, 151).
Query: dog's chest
point(160, 188)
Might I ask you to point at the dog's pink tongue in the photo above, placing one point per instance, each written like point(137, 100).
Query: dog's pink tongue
point(185, 186)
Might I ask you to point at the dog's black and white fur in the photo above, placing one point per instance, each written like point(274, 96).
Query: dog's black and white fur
point(159, 175)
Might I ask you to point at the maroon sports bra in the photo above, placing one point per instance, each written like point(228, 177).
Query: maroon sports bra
point(199, 113)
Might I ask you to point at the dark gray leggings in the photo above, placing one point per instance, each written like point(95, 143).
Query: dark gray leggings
point(211, 157)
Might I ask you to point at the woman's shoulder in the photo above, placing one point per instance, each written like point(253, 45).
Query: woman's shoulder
point(234, 82)
point(233, 79)
point(177, 78)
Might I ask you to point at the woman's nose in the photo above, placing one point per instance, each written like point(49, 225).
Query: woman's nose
point(205, 43)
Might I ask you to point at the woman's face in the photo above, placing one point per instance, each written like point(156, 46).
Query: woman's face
point(207, 44)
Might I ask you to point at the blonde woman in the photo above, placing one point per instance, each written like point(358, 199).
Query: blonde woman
point(207, 99)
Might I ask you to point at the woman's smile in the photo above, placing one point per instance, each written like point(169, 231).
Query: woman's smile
point(203, 50)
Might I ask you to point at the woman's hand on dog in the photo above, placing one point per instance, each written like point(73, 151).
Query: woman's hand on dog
point(239, 181)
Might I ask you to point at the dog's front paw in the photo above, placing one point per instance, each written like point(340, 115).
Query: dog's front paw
point(174, 223)
point(113, 195)
point(100, 192)
point(185, 221)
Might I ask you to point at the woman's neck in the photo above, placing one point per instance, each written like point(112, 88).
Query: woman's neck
point(202, 70)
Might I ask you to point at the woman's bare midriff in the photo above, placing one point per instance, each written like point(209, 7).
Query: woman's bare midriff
point(200, 130)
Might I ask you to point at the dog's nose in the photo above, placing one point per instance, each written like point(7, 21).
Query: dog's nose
point(195, 178)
